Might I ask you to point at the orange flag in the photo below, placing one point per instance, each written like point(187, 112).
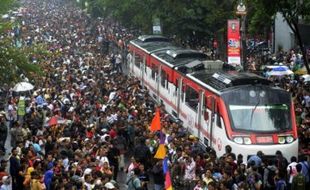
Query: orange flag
point(155, 125)
point(161, 152)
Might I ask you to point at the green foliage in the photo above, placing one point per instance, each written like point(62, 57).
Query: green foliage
point(16, 61)
point(259, 18)
point(6, 5)
point(292, 12)
point(184, 19)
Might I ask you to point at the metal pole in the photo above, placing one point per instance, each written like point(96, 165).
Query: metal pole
point(243, 43)
point(244, 46)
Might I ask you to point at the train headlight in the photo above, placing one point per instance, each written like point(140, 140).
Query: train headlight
point(289, 139)
point(238, 140)
point(247, 140)
point(281, 140)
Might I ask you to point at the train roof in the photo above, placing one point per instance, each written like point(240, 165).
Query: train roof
point(222, 80)
point(153, 38)
point(179, 53)
point(184, 60)
point(175, 56)
point(151, 43)
point(198, 65)
point(150, 47)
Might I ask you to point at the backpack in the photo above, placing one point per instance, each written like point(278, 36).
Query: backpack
point(306, 165)
point(281, 185)
point(270, 177)
point(132, 182)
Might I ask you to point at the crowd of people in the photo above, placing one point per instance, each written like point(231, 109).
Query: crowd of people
point(85, 119)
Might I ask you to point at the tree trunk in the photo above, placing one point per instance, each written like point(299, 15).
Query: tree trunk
point(302, 48)
point(294, 27)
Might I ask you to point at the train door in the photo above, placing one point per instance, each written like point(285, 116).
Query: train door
point(208, 120)
point(158, 81)
point(189, 108)
point(143, 70)
point(132, 63)
point(153, 73)
point(177, 94)
point(138, 65)
point(148, 70)
point(165, 83)
point(199, 113)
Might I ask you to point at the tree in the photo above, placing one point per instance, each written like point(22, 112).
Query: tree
point(187, 20)
point(259, 21)
point(15, 61)
point(293, 11)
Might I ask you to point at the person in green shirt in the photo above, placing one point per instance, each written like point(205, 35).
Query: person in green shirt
point(299, 181)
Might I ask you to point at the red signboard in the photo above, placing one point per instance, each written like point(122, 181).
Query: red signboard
point(233, 42)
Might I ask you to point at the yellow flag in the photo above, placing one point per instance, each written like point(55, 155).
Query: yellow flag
point(161, 152)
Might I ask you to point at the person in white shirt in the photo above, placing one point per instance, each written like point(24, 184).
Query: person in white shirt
point(129, 59)
point(6, 183)
point(118, 63)
point(291, 170)
point(190, 169)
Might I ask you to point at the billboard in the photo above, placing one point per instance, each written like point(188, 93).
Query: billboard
point(233, 42)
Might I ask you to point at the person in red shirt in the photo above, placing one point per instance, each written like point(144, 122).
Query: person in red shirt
point(113, 132)
point(2, 171)
point(89, 133)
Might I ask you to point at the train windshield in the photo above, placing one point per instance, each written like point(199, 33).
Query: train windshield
point(259, 109)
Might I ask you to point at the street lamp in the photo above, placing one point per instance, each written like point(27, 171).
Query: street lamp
point(241, 11)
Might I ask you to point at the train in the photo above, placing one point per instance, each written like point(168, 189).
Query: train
point(217, 104)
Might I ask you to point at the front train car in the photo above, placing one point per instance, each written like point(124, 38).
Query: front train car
point(253, 115)
point(261, 118)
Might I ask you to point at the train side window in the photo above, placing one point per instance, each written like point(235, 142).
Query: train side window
point(176, 84)
point(218, 118)
point(167, 80)
point(191, 98)
point(183, 92)
point(154, 69)
point(206, 113)
point(163, 78)
point(218, 121)
point(138, 60)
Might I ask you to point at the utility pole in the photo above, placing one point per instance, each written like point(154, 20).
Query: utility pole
point(241, 11)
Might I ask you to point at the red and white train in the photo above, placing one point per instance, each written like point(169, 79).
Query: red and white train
point(220, 107)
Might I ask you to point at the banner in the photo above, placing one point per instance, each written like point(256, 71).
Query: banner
point(233, 42)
